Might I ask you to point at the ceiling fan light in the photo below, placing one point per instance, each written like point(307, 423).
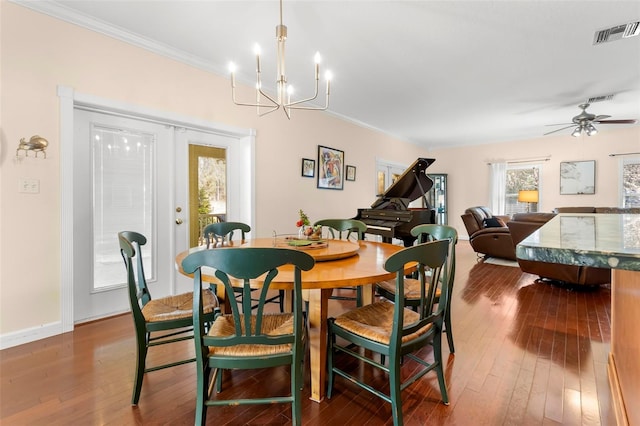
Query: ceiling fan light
point(577, 132)
point(591, 130)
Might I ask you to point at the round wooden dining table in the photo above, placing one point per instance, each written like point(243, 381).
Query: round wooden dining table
point(339, 264)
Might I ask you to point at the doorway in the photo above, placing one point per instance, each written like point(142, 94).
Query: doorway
point(171, 238)
point(386, 174)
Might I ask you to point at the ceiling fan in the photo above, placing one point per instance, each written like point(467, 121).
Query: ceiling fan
point(584, 122)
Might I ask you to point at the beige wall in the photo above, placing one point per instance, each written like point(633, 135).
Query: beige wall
point(38, 53)
point(469, 172)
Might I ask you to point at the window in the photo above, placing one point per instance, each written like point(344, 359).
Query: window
point(630, 191)
point(521, 177)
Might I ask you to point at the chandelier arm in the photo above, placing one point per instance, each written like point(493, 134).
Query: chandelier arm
point(308, 108)
point(311, 108)
point(276, 106)
point(262, 114)
point(273, 101)
point(291, 104)
point(302, 101)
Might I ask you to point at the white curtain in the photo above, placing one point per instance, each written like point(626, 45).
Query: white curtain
point(498, 187)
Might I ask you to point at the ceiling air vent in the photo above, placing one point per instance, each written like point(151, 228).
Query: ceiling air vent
point(616, 33)
point(600, 98)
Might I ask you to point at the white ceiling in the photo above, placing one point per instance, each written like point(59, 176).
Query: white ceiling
point(436, 73)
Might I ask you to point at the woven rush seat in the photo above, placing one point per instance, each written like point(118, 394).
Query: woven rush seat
point(272, 325)
point(374, 322)
point(176, 307)
point(411, 288)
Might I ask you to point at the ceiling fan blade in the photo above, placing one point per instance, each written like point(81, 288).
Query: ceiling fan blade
point(557, 130)
point(616, 122)
point(560, 124)
point(601, 117)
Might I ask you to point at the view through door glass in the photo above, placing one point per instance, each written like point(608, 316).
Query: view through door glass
point(207, 189)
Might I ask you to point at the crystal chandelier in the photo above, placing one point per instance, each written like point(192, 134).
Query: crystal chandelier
point(266, 103)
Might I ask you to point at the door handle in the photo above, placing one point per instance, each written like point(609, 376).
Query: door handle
point(179, 221)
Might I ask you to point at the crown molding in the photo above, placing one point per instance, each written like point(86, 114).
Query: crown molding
point(64, 13)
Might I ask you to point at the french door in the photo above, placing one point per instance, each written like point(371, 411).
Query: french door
point(133, 174)
point(123, 171)
point(202, 190)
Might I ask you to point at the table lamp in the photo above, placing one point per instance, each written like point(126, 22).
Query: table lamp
point(528, 196)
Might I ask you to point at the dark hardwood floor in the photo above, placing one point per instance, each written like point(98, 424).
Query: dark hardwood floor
point(526, 354)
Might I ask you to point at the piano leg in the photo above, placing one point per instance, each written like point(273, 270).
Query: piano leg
point(408, 241)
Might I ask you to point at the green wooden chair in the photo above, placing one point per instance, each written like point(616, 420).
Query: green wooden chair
point(346, 229)
point(430, 232)
point(220, 233)
point(238, 341)
point(157, 321)
point(394, 331)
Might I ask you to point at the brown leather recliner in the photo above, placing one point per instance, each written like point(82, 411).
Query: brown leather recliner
point(488, 234)
point(522, 225)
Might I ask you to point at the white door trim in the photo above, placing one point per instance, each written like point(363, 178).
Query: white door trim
point(70, 99)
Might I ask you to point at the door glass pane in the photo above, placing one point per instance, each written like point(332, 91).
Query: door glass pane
point(207, 188)
point(381, 182)
point(124, 196)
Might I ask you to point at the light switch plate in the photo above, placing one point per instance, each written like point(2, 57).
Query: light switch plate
point(29, 186)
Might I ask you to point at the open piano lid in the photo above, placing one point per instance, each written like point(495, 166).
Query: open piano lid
point(411, 185)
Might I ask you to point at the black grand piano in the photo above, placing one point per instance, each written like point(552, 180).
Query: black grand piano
point(390, 215)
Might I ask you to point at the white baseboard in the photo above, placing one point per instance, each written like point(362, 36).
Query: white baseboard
point(28, 335)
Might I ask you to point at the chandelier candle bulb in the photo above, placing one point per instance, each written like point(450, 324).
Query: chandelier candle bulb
point(256, 50)
point(232, 71)
point(316, 59)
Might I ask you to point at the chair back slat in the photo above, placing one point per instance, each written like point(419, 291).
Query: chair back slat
point(130, 249)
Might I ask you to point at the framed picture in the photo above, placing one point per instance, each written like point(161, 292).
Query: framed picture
point(330, 168)
point(308, 167)
point(351, 172)
point(578, 177)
